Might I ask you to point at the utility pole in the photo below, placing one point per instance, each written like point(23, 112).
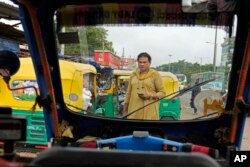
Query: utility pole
point(169, 68)
point(215, 49)
point(201, 60)
point(200, 63)
point(122, 65)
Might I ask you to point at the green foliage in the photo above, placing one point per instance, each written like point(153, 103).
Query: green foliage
point(183, 67)
point(91, 38)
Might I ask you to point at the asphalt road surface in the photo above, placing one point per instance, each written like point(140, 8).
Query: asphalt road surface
point(246, 136)
point(188, 113)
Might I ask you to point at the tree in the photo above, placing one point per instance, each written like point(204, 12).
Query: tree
point(91, 38)
point(97, 39)
point(187, 68)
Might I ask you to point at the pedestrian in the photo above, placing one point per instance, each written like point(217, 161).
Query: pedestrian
point(195, 91)
point(144, 87)
point(86, 95)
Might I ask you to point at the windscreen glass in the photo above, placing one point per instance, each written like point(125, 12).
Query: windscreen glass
point(191, 53)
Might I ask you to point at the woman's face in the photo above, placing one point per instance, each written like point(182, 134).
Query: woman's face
point(143, 64)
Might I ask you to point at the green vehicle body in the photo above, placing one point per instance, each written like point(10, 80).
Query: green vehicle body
point(23, 99)
point(36, 131)
point(168, 108)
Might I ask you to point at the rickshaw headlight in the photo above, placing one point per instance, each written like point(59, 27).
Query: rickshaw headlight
point(73, 97)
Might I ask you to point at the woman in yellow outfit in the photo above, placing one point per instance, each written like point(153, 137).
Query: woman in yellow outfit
point(145, 86)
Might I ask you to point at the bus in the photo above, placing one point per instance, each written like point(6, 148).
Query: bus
point(182, 78)
point(218, 84)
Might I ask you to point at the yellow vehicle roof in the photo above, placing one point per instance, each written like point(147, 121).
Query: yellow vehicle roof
point(162, 74)
point(124, 77)
point(67, 69)
point(123, 72)
point(26, 69)
point(168, 74)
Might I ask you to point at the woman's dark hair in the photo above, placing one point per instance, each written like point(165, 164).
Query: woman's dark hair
point(144, 54)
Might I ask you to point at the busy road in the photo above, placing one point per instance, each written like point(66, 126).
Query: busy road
point(188, 113)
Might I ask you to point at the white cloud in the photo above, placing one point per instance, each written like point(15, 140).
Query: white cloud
point(187, 43)
point(8, 2)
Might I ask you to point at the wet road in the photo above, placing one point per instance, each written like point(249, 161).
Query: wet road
point(246, 136)
point(188, 113)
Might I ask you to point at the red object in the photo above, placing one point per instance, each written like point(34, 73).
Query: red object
point(188, 147)
point(106, 58)
point(4, 163)
point(89, 144)
point(202, 149)
point(41, 146)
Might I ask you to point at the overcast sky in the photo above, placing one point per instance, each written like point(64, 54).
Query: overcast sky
point(8, 2)
point(160, 42)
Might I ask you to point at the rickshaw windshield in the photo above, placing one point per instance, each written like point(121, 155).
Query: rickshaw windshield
point(111, 35)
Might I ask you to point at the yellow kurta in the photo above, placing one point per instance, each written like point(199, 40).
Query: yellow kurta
point(149, 83)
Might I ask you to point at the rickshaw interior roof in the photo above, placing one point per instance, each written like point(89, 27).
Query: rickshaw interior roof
point(165, 13)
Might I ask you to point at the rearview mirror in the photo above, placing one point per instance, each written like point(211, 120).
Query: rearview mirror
point(9, 63)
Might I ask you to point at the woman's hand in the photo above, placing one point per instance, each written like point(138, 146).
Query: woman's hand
point(144, 96)
point(148, 96)
point(125, 109)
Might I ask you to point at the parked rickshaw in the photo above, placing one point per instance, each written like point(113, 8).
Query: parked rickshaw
point(25, 92)
point(22, 100)
point(170, 107)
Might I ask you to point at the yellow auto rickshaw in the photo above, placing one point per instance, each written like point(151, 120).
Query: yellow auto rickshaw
point(73, 77)
point(169, 109)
